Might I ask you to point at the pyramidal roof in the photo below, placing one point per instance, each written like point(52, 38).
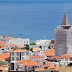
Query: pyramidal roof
point(65, 21)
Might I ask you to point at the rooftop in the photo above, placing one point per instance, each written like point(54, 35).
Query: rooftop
point(37, 48)
point(19, 50)
point(37, 56)
point(4, 56)
point(33, 63)
point(23, 61)
point(50, 52)
point(65, 21)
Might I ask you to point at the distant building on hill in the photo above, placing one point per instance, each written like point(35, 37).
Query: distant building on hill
point(20, 41)
point(43, 42)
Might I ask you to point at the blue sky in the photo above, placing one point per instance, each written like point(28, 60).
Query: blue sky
point(34, 19)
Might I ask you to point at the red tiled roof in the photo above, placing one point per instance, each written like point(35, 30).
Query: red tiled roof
point(23, 61)
point(37, 48)
point(44, 61)
point(33, 63)
point(19, 50)
point(4, 56)
point(50, 52)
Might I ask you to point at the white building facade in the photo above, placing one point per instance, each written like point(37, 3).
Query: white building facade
point(20, 41)
point(44, 47)
point(19, 55)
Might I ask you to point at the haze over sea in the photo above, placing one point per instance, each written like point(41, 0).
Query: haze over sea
point(32, 19)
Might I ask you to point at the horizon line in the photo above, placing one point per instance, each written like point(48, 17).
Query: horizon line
point(35, 2)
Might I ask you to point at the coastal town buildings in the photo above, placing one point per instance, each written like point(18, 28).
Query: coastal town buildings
point(44, 47)
point(45, 55)
point(43, 43)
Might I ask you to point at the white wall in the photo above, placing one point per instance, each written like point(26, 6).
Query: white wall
point(44, 47)
point(3, 50)
point(37, 59)
point(23, 57)
point(20, 41)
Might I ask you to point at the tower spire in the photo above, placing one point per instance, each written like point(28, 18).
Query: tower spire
point(65, 21)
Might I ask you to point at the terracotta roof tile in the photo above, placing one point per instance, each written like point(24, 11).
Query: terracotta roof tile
point(37, 48)
point(4, 56)
point(20, 46)
point(50, 52)
point(44, 61)
point(33, 63)
point(10, 37)
point(11, 44)
point(19, 50)
point(23, 61)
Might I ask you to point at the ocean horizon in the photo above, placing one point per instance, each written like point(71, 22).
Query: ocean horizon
point(32, 19)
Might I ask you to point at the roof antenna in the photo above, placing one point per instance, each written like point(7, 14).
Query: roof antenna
point(65, 10)
point(44, 37)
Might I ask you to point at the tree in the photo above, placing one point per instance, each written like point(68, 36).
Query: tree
point(1, 63)
point(32, 43)
point(27, 47)
point(49, 47)
point(40, 46)
point(31, 49)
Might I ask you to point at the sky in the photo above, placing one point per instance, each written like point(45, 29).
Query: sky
point(32, 18)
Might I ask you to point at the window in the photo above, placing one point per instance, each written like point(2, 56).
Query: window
point(52, 46)
point(29, 67)
point(27, 41)
point(17, 59)
point(12, 53)
point(44, 63)
point(1, 71)
point(2, 49)
point(24, 41)
point(22, 53)
point(24, 45)
point(17, 53)
point(12, 58)
point(22, 58)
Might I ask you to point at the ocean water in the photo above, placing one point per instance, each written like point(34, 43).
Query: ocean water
point(32, 19)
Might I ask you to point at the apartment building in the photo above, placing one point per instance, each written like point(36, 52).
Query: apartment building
point(18, 55)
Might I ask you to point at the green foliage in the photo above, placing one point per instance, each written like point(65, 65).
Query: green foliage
point(49, 47)
point(31, 49)
point(1, 63)
point(32, 43)
point(40, 46)
point(27, 47)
